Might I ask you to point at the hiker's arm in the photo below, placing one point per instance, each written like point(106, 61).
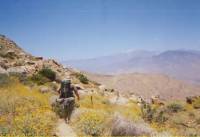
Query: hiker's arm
point(76, 93)
point(59, 90)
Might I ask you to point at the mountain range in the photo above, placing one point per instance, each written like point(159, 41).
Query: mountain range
point(179, 64)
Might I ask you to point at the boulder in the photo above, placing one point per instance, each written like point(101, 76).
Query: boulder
point(10, 54)
point(134, 98)
point(39, 58)
point(2, 71)
point(44, 89)
point(119, 100)
point(122, 126)
point(18, 70)
point(102, 87)
point(83, 92)
point(191, 99)
point(30, 62)
point(156, 100)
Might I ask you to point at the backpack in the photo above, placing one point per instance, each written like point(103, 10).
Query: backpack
point(66, 90)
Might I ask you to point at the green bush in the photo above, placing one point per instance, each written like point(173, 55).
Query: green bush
point(4, 130)
point(148, 112)
point(39, 79)
point(48, 73)
point(82, 78)
point(43, 76)
point(175, 107)
point(161, 117)
point(4, 79)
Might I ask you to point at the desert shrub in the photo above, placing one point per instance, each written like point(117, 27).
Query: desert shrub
point(161, 116)
point(106, 102)
point(4, 130)
point(196, 103)
point(24, 112)
point(91, 123)
point(48, 73)
point(4, 79)
point(82, 78)
point(148, 112)
point(175, 107)
point(39, 79)
point(125, 127)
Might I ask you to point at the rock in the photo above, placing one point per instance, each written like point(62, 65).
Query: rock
point(10, 54)
point(54, 82)
point(39, 58)
point(30, 62)
point(125, 127)
point(156, 100)
point(191, 99)
point(134, 98)
point(119, 100)
point(44, 89)
point(2, 71)
point(102, 87)
point(82, 92)
point(22, 54)
point(56, 63)
point(18, 70)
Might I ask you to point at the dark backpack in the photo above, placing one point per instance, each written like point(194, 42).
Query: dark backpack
point(66, 90)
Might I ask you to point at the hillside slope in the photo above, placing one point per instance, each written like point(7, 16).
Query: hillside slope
point(13, 59)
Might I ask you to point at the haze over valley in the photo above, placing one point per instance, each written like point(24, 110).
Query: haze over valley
point(179, 64)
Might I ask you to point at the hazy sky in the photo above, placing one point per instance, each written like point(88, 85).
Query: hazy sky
point(73, 29)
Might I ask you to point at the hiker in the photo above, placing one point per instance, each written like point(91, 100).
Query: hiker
point(67, 98)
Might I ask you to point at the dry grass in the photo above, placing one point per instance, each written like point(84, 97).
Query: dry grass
point(25, 112)
point(97, 117)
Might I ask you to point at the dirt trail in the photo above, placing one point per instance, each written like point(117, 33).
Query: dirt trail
point(64, 130)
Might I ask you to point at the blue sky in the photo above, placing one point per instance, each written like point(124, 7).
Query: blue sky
point(75, 29)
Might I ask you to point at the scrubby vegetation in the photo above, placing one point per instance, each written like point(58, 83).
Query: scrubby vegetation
point(177, 118)
point(4, 79)
point(196, 103)
point(91, 122)
point(24, 111)
point(175, 107)
point(82, 78)
point(43, 76)
point(98, 117)
point(48, 73)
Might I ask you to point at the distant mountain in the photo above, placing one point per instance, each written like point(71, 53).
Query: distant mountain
point(181, 64)
point(107, 64)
